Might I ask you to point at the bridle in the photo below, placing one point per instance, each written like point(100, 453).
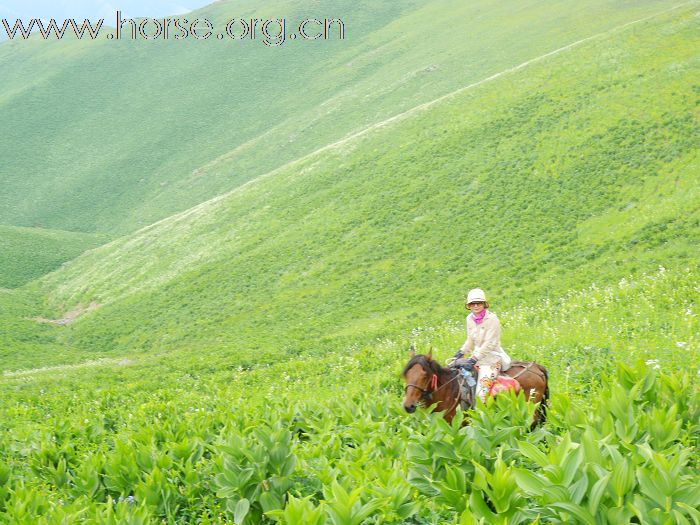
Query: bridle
point(426, 394)
point(432, 388)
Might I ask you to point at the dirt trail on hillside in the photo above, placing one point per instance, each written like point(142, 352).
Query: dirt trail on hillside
point(70, 316)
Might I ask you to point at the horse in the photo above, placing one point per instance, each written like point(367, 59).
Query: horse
point(428, 382)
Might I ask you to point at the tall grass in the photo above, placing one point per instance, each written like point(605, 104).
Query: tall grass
point(220, 438)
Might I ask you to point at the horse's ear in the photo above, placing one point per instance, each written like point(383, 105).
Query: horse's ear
point(413, 350)
point(430, 354)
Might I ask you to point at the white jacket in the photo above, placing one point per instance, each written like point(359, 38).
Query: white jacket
point(484, 341)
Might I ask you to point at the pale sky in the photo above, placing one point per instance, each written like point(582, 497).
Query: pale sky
point(95, 9)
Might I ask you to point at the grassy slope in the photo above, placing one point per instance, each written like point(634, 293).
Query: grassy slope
point(24, 342)
point(28, 253)
point(97, 149)
point(518, 186)
point(347, 239)
point(74, 437)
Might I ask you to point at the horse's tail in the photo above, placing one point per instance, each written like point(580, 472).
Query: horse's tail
point(545, 397)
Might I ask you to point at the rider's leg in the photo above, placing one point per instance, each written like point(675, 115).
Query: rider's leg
point(487, 375)
point(505, 361)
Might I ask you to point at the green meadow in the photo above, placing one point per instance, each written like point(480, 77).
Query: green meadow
point(194, 437)
point(215, 327)
point(29, 253)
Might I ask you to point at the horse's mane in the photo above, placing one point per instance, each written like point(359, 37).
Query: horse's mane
point(427, 364)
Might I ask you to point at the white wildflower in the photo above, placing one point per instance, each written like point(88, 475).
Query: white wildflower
point(681, 344)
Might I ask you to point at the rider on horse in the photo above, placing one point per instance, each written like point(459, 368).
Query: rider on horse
point(483, 344)
point(429, 383)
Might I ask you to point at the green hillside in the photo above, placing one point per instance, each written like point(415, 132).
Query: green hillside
point(28, 253)
point(578, 169)
point(184, 437)
point(239, 361)
point(25, 342)
point(25, 255)
point(111, 136)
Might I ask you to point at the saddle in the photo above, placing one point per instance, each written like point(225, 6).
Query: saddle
point(467, 386)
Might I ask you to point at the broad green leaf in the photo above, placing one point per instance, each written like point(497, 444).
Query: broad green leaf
point(530, 482)
point(467, 518)
point(579, 488)
point(597, 493)
point(680, 518)
point(242, 508)
point(479, 507)
point(554, 493)
point(533, 453)
point(575, 510)
point(481, 477)
point(619, 515)
point(270, 501)
point(692, 512)
point(622, 478)
point(456, 478)
point(571, 465)
point(443, 450)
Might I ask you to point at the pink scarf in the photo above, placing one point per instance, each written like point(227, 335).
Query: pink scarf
point(478, 319)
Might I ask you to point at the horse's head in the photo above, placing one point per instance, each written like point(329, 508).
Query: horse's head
point(421, 380)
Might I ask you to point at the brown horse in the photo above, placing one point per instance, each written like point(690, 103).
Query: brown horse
point(427, 382)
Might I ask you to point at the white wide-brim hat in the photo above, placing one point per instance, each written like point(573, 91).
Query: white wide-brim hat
point(476, 295)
